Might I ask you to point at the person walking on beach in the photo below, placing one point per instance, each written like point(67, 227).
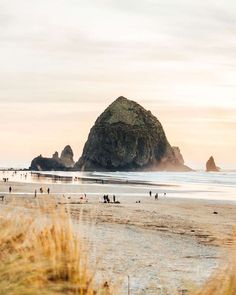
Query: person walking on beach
point(156, 196)
point(150, 193)
point(35, 193)
point(114, 198)
point(164, 194)
point(10, 189)
point(106, 199)
point(48, 191)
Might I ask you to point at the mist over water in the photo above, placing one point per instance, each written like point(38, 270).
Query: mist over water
point(220, 186)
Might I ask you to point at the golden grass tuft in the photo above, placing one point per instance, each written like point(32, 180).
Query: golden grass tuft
point(40, 254)
point(223, 280)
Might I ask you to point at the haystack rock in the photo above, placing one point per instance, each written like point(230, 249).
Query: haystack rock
point(55, 163)
point(67, 156)
point(211, 165)
point(127, 137)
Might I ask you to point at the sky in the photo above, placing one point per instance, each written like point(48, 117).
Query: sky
point(63, 62)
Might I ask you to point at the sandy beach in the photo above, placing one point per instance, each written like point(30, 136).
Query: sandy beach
point(165, 243)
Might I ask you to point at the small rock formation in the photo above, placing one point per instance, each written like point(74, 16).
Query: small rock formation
point(67, 157)
point(46, 164)
point(55, 163)
point(128, 137)
point(211, 166)
point(55, 156)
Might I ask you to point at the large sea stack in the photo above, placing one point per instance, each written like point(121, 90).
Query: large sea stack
point(127, 137)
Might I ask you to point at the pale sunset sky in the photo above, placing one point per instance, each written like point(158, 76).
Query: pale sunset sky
point(62, 62)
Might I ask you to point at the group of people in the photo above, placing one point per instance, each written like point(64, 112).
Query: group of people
point(156, 195)
point(41, 191)
point(35, 192)
point(106, 199)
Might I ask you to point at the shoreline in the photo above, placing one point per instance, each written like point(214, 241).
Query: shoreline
point(186, 216)
point(129, 192)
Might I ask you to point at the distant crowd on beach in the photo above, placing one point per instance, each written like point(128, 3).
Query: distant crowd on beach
point(104, 199)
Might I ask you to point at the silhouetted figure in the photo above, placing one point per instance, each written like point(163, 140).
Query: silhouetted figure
point(48, 191)
point(10, 189)
point(114, 198)
point(164, 194)
point(150, 193)
point(106, 199)
point(41, 190)
point(35, 193)
point(106, 288)
point(156, 196)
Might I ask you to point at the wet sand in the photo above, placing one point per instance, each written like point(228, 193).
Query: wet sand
point(167, 242)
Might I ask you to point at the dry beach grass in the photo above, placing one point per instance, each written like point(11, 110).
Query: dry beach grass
point(223, 280)
point(40, 254)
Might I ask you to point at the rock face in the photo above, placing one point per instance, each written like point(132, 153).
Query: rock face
point(128, 137)
point(56, 156)
point(55, 163)
point(67, 157)
point(211, 165)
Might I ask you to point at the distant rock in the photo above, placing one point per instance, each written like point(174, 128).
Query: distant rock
point(56, 163)
point(46, 164)
point(128, 137)
point(67, 156)
point(55, 156)
point(211, 165)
